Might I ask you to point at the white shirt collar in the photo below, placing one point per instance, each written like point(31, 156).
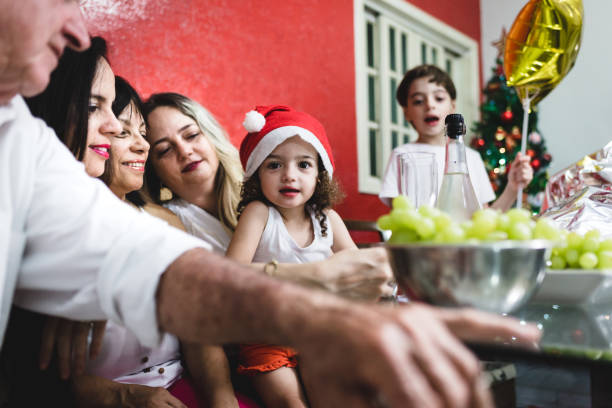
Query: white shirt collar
point(8, 112)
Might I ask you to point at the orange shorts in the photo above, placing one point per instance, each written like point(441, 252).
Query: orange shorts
point(261, 358)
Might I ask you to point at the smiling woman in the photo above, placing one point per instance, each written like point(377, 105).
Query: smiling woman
point(124, 171)
point(77, 105)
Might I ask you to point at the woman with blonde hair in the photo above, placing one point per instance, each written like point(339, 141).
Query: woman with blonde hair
point(195, 171)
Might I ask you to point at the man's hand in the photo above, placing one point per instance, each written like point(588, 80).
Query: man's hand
point(406, 356)
point(70, 339)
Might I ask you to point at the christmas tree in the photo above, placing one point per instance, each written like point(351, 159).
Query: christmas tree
point(498, 137)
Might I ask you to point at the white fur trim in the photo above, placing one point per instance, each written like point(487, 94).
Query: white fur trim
point(278, 136)
point(253, 121)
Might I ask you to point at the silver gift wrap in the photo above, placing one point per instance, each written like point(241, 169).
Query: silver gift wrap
point(579, 198)
point(590, 208)
point(592, 170)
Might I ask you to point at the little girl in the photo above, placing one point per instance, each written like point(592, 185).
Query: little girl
point(285, 216)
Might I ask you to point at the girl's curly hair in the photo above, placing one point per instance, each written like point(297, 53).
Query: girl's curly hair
point(327, 194)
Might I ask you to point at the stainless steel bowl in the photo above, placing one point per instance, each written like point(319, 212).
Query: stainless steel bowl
point(497, 277)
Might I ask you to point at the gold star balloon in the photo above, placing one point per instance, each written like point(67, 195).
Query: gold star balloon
point(542, 46)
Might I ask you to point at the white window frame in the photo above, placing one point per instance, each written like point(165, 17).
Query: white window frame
point(420, 27)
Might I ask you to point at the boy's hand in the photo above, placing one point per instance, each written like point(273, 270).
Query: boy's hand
point(520, 173)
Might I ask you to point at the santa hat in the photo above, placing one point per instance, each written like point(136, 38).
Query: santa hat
point(269, 126)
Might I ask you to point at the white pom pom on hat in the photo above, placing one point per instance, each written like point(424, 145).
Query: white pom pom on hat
point(254, 121)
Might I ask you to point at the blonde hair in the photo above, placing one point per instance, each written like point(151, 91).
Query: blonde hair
point(229, 175)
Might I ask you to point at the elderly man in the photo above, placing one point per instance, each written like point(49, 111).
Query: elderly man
point(70, 249)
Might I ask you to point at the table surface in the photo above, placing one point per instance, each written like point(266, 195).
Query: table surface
point(580, 334)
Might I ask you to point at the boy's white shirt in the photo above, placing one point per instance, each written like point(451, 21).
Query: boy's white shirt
point(476, 168)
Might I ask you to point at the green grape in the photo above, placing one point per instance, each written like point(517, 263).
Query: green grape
point(520, 231)
point(606, 245)
point(545, 229)
point(427, 211)
point(403, 237)
point(571, 256)
point(574, 240)
point(604, 259)
point(466, 225)
point(557, 262)
point(559, 248)
point(503, 222)
point(442, 221)
point(590, 244)
point(453, 234)
point(485, 221)
point(404, 218)
point(385, 222)
point(594, 234)
point(588, 260)
point(402, 202)
point(519, 215)
point(426, 228)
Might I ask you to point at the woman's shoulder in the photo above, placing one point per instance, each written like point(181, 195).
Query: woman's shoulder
point(164, 214)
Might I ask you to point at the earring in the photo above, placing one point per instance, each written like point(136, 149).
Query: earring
point(165, 194)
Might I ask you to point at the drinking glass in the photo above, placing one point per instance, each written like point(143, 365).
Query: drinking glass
point(418, 177)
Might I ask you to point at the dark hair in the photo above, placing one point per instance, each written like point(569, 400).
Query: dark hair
point(437, 76)
point(327, 194)
point(64, 105)
point(125, 96)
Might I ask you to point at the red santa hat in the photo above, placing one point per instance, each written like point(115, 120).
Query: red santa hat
point(269, 126)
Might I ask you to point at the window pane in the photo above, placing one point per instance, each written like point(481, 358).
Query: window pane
point(371, 98)
point(434, 56)
point(406, 139)
point(404, 54)
point(406, 123)
point(449, 67)
point(393, 107)
point(393, 139)
point(370, 42)
point(423, 53)
point(392, 48)
point(373, 153)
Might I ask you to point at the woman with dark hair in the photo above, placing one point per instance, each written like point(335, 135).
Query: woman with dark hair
point(77, 105)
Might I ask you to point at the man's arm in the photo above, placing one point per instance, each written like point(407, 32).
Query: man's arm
point(405, 356)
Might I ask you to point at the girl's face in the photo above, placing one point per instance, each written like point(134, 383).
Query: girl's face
point(129, 153)
point(427, 106)
point(288, 176)
point(102, 122)
point(181, 154)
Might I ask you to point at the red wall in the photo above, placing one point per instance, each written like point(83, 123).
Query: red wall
point(233, 55)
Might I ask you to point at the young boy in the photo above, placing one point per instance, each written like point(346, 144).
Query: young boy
point(427, 94)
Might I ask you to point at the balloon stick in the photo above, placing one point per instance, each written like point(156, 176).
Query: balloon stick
point(526, 110)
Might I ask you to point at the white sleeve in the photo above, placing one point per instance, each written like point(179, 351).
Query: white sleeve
point(389, 190)
point(88, 255)
point(480, 178)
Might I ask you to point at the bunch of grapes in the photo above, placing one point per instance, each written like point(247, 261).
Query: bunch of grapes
point(426, 224)
point(586, 251)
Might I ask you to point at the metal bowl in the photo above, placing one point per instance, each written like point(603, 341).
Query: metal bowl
point(498, 277)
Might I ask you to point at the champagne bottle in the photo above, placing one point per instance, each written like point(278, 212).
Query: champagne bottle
point(457, 196)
